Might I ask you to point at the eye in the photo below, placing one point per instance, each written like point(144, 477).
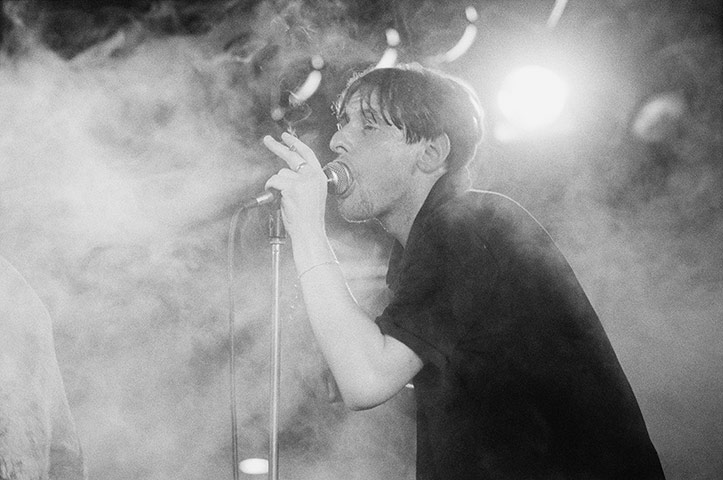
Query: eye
point(368, 126)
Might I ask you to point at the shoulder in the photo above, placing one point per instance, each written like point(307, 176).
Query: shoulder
point(486, 205)
point(485, 214)
point(491, 225)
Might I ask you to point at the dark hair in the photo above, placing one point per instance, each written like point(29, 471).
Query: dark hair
point(423, 103)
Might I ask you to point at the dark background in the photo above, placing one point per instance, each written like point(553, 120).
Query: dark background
point(130, 130)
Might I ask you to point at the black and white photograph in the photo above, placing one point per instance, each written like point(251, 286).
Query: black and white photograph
point(361, 240)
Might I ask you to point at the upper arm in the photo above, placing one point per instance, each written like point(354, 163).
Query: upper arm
point(443, 289)
point(394, 369)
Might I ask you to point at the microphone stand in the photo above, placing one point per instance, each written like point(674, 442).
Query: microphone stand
point(277, 237)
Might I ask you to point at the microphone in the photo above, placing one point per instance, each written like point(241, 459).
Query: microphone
point(338, 181)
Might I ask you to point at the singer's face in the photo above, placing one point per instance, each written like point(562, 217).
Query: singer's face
point(380, 160)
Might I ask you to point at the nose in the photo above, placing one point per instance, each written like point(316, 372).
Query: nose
point(337, 144)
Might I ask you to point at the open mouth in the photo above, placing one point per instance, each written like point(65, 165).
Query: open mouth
point(339, 177)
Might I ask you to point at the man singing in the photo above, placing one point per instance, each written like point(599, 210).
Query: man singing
point(513, 374)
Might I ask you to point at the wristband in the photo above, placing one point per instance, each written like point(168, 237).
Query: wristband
point(330, 262)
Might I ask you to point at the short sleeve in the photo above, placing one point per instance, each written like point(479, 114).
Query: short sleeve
point(444, 281)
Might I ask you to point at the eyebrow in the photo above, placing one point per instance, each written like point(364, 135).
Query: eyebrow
point(363, 97)
point(366, 110)
point(369, 114)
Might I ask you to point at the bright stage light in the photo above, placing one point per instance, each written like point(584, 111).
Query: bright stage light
point(532, 97)
point(389, 59)
point(254, 466)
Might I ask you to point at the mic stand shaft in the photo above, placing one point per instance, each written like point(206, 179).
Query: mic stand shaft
point(276, 239)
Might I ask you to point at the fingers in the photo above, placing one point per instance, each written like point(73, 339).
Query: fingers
point(306, 153)
point(292, 151)
point(281, 151)
point(281, 181)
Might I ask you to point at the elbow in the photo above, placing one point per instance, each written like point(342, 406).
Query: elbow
point(358, 404)
point(362, 397)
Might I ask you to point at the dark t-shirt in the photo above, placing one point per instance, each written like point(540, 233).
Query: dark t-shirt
point(519, 379)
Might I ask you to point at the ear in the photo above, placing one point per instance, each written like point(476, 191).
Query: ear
point(434, 155)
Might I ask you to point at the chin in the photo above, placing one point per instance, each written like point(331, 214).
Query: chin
point(352, 218)
point(351, 211)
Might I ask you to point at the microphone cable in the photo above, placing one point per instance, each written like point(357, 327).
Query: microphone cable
point(233, 228)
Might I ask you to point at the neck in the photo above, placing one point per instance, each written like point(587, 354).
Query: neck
point(398, 221)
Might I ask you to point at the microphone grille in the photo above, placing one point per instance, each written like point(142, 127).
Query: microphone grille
point(339, 178)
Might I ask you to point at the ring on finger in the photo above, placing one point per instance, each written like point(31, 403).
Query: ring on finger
point(298, 167)
point(292, 148)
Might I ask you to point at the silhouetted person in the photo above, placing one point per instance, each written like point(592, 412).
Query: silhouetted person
point(38, 439)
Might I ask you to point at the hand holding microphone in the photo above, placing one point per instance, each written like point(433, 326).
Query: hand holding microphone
point(304, 184)
point(338, 177)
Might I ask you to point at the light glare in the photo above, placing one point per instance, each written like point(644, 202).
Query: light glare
point(254, 466)
point(532, 97)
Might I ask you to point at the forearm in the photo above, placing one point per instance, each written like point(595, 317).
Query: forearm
point(366, 369)
point(368, 366)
